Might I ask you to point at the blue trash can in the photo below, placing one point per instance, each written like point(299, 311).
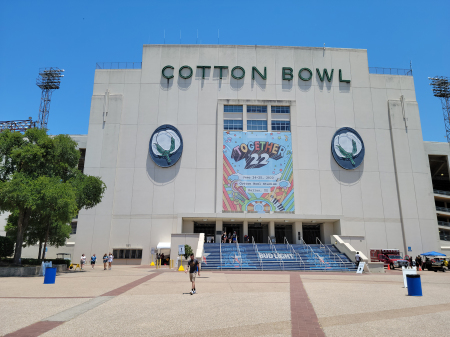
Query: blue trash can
point(50, 276)
point(414, 285)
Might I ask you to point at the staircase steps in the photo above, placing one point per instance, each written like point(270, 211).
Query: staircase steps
point(265, 258)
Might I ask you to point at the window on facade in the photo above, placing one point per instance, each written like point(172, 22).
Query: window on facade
point(74, 227)
point(232, 124)
point(281, 126)
point(82, 159)
point(281, 109)
point(257, 108)
point(257, 125)
point(127, 253)
point(232, 108)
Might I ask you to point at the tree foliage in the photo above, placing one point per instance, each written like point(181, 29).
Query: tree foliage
point(187, 251)
point(6, 246)
point(41, 187)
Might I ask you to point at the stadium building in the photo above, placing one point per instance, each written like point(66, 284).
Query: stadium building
point(276, 143)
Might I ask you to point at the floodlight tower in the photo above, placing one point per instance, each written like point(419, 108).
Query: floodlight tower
point(441, 89)
point(49, 80)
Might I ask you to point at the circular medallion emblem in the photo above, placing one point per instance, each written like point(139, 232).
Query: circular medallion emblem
point(166, 145)
point(348, 149)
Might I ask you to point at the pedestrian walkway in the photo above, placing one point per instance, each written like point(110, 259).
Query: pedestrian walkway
point(143, 301)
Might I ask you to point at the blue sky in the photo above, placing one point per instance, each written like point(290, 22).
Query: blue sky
point(74, 35)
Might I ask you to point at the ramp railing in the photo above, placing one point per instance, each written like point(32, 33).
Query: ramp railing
point(220, 252)
point(332, 255)
point(255, 247)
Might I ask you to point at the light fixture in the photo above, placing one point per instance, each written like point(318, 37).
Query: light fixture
point(442, 174)
point(313, 221)
point(205, 219)
point(285, 221)
point(232, 220)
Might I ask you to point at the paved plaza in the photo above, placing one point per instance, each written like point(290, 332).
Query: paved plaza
point(140, 301)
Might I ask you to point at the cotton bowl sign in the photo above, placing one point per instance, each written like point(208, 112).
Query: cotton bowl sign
point(348, 149)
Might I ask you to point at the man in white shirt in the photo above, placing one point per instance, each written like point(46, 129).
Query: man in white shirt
point(82, 261)
point(357, 259)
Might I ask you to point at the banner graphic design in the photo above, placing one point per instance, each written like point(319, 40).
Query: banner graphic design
point(257, 172)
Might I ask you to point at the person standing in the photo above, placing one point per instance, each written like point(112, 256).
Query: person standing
point(193, 268)
point(93, 259)
point(357, 259)
point(105, 261)
point(82, 261)
point(224, 237)
point(110, 260)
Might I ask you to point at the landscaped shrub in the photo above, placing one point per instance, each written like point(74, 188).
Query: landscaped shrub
point(36, 262)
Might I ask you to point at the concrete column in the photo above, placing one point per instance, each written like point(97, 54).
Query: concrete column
point(219, 227)
point(245, 228)
point(269, 119)
point(244, 117)
point(271, 228)
point(296, 229)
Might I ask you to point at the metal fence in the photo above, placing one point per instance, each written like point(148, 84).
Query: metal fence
point(441, 192)
point(118, 65)
point(390, 71)
point(444, 223)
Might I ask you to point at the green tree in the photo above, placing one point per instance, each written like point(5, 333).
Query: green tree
point(187, 251)
point(6, 246)
point(39, 183)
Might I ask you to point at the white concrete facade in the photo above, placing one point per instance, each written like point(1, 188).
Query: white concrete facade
point(387, 202)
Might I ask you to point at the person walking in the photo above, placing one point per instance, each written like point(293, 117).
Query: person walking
point(82, 261)
point(357, 259)
point(93, 259)
point(110, 260)
point(193, 268)
point(105, 261)
point(224, 237)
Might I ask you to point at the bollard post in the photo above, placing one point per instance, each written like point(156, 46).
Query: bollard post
point(181, 264)
point(152, 264)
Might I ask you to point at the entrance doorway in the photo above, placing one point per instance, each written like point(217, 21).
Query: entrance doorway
point(234, 227)
point(208, 229)
point(283, 231)
point(310, 233)
point(259, 232)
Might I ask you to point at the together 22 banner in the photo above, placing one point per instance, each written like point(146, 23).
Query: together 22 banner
point(257, 172)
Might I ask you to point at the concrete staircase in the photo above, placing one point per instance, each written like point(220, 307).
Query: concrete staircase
point(263, 256)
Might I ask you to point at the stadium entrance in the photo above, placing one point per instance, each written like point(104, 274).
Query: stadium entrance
point(310, 233)
point(259, 232)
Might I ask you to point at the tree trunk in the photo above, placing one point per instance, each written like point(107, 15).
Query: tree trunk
point(40, 249)
point(45, 242)
point(19, 239)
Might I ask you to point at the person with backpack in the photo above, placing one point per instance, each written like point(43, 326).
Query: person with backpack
point(93, 259)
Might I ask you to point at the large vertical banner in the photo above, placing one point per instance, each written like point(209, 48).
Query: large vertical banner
point(257, 172)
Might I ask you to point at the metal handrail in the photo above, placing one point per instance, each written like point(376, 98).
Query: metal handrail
point(330, 253)
point(443, 209)
point(257, 254)
point(276, 254)
point(390, 71)
point(239, 251)
point(220, 251)
point(297, 255)
point(314, 255)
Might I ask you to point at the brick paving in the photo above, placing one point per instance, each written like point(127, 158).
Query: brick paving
point(303, 317)
point(35, 329)
point(131, 285)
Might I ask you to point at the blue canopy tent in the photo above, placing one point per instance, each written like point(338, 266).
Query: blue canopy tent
point(433, 253)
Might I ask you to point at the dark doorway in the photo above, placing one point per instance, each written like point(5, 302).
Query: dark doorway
point(283, 231)
point(207, 228)
point(231, 228)
point(310, 233)
point(259, 232)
